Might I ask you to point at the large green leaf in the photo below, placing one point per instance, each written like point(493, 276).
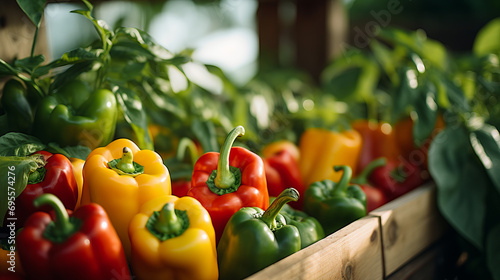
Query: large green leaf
point(487, 40)
point(33, 9)
point(14, 178)
point(486, 143)
point(19, 144)
point(462, 183)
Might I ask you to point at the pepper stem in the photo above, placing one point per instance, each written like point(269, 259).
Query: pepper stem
point(187, 145)
point(287, 195)
point(126, 164)
point(167, 222)
point(37, 176)
point(346, 177)
point(225, 178)
point(362, 178)
point(62, 226)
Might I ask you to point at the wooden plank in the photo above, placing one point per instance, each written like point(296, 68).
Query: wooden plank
point(409, 224)
point(353, 252)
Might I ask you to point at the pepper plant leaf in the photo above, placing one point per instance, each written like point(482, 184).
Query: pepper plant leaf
point(19, 144)
point(14, 178)
point(134, 115)
point(33, 9)
point(462, 183)
point(487, 40)
point(427, 112)
point(486, 143)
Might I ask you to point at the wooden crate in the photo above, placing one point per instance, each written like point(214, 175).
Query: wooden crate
point(373, 247)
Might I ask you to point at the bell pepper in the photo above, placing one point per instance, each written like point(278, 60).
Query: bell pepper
point(56, 177)
point(379, 140)
point(335, 205)
point(173, 238)
point(73, 115)
point(375, 197)
point(281, 165)
point(398, 177)
point(83, 246)
point(310, 230)
point(320, 149)
point(121, 177)
point(19, 106)
point(181, 166)
point(77, 171)
point(227, 181)
point(254, 239)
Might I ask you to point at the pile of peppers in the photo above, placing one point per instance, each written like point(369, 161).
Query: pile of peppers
point(120, 214)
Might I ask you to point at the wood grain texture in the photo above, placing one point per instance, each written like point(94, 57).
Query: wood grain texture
point(353, 252)
point(409, 225)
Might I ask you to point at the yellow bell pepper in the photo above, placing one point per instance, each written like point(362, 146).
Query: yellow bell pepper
point(121, 177)
point(173, 238)
point(77, 171)
point(321, 149)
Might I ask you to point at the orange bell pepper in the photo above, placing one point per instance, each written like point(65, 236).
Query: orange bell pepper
point(77, 170)
point(321, 149)
point(173, 238)
point(121, 177)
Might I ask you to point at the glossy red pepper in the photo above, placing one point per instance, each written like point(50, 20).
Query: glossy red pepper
point(379, 140)
point(398, 177)
point(282, 170)
point(375, 197)
point(181, 166)
point(56, 177)
point(83, 246)
point(227, 181)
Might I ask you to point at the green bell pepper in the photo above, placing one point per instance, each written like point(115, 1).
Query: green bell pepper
point(254, 239)
point(310, 230)
point(335, 205)
point(19, 106)
point(74, 115)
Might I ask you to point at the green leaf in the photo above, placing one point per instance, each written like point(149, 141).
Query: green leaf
point(71, 73)
point(19, 144)
point(486, 143)
point(427, 112)
point(487, 40)
point(80, 152)
point(405, 95)
point(462, 183)
point(493, 251)
point(72, 57)
point(30, 63)
point(135, 115)
point(6, 69)
point(205, 132)
point(14, 177)
point(33, 9)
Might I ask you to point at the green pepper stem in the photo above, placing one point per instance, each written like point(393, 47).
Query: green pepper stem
point(37, 176)
point(346, 177)
point(269, 216)
point(126, 164)
point(187, 145)
point(225, 178)
point(167, 222)
point(362, 178)
point(62, 225)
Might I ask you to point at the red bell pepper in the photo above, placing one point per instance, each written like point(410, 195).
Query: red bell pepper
point(398, 177)
point(282, 170)
point(379, 140)
point(375, 197)
point(181, 166)
point(83, 246)
point(227, 181)
point(56, 177)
